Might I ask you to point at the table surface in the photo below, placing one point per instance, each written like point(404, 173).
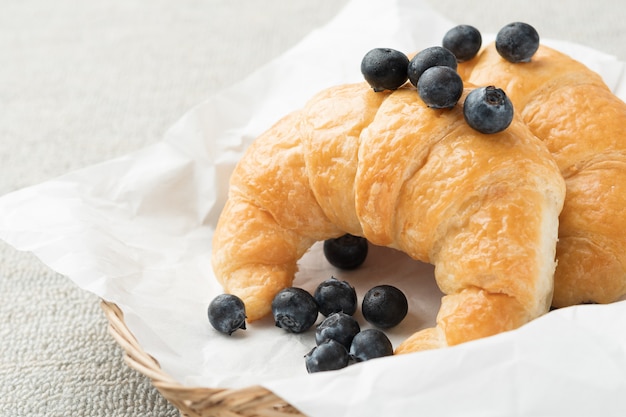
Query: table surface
point(84, 82)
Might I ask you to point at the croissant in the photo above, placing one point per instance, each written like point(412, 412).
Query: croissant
point(583, 124)
point(482, 208)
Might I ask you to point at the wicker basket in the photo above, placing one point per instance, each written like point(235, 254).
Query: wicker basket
point(194, 401)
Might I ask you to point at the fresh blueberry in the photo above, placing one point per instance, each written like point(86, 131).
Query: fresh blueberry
point(434, 56)
point(339, 327)
point(370, 344)
point(440, 87)
point(333, 296)
point(384, 306)
point(464, 41)
point(488, 109)
point(328, 356)
point(517, 42)
point(384, 68)
point(227, 313)
point(294, 310)
point(346, 252)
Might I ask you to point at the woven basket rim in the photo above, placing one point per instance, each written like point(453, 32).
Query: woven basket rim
point(193, 401)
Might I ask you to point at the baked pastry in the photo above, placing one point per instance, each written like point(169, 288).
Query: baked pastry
point(583, 124)
point(482, 208)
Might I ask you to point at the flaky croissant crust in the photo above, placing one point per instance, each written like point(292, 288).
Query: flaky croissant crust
point(583, 124)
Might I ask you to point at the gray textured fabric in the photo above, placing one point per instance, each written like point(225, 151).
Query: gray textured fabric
point(82, 82)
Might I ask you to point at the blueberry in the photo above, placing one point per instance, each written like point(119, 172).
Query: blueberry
point(440, 87)
point(328, 356)
point(464, 41)
point(346, 252)
point(333, 296)
point(227, 313)
point(488, 109)
point(517, 42)
point(294, 310)
point(385, 68)
point(434, 56)
point(370, 344)
point(384, 306)
point(339, 327)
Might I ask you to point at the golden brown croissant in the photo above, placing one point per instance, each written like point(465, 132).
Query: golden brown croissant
point(583, 124)
point(482, 208)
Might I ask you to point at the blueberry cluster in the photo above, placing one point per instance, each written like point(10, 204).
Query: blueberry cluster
point(338, 337)
point(433, 73)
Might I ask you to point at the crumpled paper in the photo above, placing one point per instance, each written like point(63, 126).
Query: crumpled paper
point(137, 231)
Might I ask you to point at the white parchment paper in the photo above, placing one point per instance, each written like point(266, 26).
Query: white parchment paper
point(137, 231)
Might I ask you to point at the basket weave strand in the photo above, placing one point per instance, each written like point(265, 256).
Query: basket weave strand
point(194, 401)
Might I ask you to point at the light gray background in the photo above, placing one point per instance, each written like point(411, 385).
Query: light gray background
point(82, 82)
